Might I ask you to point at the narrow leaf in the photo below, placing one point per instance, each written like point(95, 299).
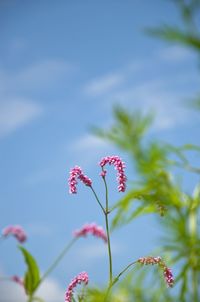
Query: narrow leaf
point(32, 275)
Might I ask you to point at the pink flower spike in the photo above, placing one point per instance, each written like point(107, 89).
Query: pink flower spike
point(149, 260)
point(168, 276)
point(15, 230)
point(80, 278)
point(119, 166)
point(17, 280)
point(77, 173)
point(167, 272)
point(92, 229)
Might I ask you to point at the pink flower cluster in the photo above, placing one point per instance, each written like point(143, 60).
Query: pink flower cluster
point(15, 230)
point(77, 173)
point(18, 280)
point(149, 260)
point(119, 166)
point(92, 229)
point(168, 276)
point(80, 278)
point(167, 272)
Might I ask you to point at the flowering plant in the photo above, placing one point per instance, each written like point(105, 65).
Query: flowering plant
point(33, 278)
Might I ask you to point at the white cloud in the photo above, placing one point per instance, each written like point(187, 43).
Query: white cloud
point(50, 291)
point(88, 142)
point(91, 146)
point(41, 73)
point(11, 292)
point(175, 54)
point(104, 84)
point(153, 95)
point(38, 75)
point(15, 113)
point(96, 250)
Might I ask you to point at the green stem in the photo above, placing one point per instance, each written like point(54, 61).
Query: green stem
point(109, 249)
point(30, 298)
point(97, 199)
point(123, 271)
point(58, 259)
point(193, 233)
point(108, 235)
point(115, 280)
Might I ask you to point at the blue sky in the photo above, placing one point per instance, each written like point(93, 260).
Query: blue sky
point(63, 65)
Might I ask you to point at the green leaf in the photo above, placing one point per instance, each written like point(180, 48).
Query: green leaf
point(32, 275)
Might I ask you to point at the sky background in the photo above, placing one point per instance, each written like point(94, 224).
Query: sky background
point(63, 65)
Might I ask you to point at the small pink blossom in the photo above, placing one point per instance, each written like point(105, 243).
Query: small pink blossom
point(92, 229)
point(167, 272)
point(103, 173)
point(80, 278)
point(119, 166)
point(15, 230)
point(18, 280)
point(77, 173)
point(168, 276)
point(149, 260)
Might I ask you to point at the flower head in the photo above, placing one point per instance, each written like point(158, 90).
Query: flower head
point(92, 229)
point(15, 230)
point(167, 272)
point(77, 173)
point(119, 166)
point(149, 260)
point(80, 278)
point(17, 279)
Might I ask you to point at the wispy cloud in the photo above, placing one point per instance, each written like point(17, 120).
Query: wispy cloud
point(174, 54)
point(15, 113)
point(104, 84)
point(161, 94)
point(153, 96)
point(50, 291)
point(16, 107)
point(88, 142)
point(37, 75)
point(91, 145)
point(98, 250)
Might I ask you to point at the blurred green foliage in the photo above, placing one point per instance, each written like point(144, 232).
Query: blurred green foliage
point(188, 34)
point(157, 188)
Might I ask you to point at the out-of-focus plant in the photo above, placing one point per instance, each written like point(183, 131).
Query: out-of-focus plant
point(156, 189)
point(157, 186)
point(187, 35)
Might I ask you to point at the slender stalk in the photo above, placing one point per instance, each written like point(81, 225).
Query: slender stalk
point(108, 235)
point(97, 199)
point(30, 299)
point(115, 280)
point(123, 271)
point(58, 259)
point(193, 233)
point(109, 249)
